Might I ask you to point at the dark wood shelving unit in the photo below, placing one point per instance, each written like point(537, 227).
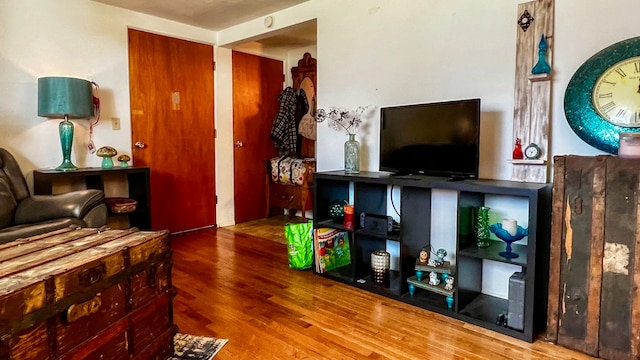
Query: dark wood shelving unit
point(492, 252)
point(368, 192)
point(138, 183)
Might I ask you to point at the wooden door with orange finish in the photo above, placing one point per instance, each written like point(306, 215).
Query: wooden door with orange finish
point(257, 83)
point(172, 127)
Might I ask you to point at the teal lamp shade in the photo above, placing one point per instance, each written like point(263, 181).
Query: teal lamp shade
point(65, 98)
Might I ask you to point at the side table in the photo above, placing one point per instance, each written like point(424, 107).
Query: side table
point(138, 182)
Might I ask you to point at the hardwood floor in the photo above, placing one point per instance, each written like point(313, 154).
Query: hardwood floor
point(269, 228)
point(238, 286)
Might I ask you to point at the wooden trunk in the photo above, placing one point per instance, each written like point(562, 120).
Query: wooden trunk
point(85, 294)
point(594, 296)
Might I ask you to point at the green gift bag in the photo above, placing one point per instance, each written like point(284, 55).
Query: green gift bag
point(300, 245)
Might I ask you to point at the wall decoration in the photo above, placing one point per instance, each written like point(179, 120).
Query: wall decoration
point(525, 20)
point(602, 99)
point(542, 66)
point(532, 95)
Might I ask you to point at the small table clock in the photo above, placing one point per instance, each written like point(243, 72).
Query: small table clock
point(532, 151)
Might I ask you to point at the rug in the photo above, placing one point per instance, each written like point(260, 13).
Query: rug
point(191, 347)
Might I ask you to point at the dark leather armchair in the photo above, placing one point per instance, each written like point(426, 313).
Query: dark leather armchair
point(23, 215)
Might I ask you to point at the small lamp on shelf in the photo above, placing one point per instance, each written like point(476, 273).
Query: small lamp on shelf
point(65, 98)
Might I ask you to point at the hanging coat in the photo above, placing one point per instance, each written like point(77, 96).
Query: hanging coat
point(284, 131)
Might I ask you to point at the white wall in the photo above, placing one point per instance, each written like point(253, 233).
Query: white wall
point(378, 52)
point(77, 38)
point(388, 53)
point(384, 52)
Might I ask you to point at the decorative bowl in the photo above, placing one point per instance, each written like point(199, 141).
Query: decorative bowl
point(505, 236)
point(121, 205)
point(336, 209)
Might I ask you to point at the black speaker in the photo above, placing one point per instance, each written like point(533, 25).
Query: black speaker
point(376, 224)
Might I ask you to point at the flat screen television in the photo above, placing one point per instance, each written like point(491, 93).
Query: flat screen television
point(436, 139)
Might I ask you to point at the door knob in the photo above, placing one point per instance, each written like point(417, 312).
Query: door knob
point(239, 143)
point(140, 144)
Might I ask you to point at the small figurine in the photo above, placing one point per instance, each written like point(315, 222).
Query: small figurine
point(449, 301)
point(441, 253)
point(434, 263)
point(124, 160)
point(433, 278)
point(106, 153)
point(424, 256)
point(448, 283)
point(517, 151)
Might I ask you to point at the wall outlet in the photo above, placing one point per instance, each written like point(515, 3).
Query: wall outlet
point(115, 123)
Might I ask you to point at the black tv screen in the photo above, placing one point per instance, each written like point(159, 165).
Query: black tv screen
point(438, 139)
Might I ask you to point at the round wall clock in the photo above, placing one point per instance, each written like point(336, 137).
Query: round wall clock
point(602, 99)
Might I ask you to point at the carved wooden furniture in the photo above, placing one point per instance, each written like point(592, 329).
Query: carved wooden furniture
point(306, 69)
point(86, 294)
point(290, 184)
point(295, 193)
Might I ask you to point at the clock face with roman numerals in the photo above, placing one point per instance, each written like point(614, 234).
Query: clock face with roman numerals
point(602, 99)
point(616, 95)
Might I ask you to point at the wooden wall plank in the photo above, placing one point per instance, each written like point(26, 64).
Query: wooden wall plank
point(595, 305)
point(558, 210)
point(595, 261)
point(532, 94)
point(635, 289)
point(617, 266)
point(576, 252)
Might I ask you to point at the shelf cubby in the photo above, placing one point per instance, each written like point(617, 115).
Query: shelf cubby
point(369, 193)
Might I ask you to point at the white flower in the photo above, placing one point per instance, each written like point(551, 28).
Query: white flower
point(342, 119)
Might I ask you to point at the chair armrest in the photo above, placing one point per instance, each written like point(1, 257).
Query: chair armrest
point(73, 204)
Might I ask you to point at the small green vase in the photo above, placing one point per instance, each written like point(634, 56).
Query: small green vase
point(481, 229)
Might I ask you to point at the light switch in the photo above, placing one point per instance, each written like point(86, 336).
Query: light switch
point(115, 123)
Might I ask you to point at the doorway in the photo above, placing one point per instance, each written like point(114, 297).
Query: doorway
point(257, 83)
point(172, 127)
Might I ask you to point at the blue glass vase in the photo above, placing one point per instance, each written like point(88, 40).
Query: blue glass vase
point(542, 66)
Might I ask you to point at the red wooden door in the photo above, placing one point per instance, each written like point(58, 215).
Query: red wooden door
point(257, 82)
point(171, 84)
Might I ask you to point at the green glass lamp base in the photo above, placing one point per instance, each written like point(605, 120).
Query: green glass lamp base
point(67, 165)
point(65, 128)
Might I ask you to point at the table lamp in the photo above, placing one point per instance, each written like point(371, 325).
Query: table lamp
point(65, 98)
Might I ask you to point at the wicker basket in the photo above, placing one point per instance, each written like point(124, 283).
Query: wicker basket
point(121, 205)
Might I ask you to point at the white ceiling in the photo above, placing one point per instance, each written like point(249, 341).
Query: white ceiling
point(217, 15)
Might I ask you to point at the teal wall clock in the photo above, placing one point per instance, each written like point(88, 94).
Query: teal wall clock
point(602, 99)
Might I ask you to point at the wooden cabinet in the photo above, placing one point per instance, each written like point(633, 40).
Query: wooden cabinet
point(370, 192)
point(293, 190)
point(594, 286)
point(137, 181)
